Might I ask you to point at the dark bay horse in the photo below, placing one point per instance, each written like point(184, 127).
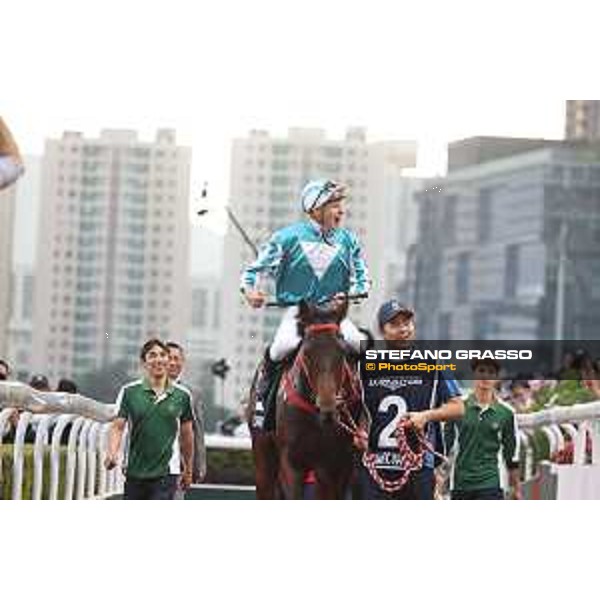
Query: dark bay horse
point(316, 392)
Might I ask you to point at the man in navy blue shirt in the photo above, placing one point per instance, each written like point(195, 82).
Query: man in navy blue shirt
point(426, 399)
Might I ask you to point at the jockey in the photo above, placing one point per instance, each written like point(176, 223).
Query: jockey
point(11, 163)
point(312, 260)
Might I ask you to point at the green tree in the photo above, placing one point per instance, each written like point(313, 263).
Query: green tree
point(565, 393)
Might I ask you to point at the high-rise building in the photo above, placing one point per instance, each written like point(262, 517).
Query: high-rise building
point(27, 208)
point(267, 174)
point(202, 340)
point(397, 229)
point(7, 208)
point(481, 149)
point(20, 328)
point(112, 266)
point(583, 120)
point(26, 223)
point(491, 239)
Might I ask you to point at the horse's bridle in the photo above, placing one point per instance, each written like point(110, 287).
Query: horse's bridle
point(293, 396)
point(322, 328)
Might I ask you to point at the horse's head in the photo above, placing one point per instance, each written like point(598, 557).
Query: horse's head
point(333, 311)
point(324, 350)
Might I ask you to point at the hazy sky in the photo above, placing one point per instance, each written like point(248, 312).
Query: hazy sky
point(434, 72)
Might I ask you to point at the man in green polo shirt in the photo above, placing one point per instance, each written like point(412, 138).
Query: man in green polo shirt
point(158, 412)
point(484, 441)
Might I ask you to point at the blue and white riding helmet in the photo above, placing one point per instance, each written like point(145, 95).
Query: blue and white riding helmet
point(318, 192)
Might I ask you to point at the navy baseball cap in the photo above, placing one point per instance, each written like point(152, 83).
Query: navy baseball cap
point(390, 309)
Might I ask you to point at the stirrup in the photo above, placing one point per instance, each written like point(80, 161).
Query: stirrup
point(263, 389)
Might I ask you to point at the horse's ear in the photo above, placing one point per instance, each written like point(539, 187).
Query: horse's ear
point(303, 310)
point(342, 311)
point(303, 317)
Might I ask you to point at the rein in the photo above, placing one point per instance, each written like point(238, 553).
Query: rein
point(295, 398)
point(322, 328)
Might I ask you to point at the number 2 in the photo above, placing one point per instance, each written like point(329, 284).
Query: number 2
point(386, 437)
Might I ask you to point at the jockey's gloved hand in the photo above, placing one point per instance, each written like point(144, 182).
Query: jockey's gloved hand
point(255, 298)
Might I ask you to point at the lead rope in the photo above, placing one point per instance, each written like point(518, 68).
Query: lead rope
point(410, 460)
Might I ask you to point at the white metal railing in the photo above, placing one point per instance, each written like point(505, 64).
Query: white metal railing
point(215, 440)
point(21, 396)
point(578, 425)
point(577, 422)
point(561, 414)
point(49, 414)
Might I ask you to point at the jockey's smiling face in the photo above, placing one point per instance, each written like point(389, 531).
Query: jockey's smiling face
point(329, 215)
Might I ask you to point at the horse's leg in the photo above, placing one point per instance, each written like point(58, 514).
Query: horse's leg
point(336, 463)
point(344, 481)
point(298, 486)
point(325, 486)
point(266, 462)
point(286, 475)
point(264, 449)
point(298, 450)
point(290, 480)
point(333, 484)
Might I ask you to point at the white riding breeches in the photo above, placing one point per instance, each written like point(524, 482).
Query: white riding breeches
point(287, 339)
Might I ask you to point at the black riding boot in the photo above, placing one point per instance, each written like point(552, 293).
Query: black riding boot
point(265, 391)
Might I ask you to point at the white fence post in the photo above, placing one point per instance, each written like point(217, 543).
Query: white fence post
point(18, 455)
point(92, 459)
point(527, 445)
point(570, 429)
point(41, 440)
point(72, 457)
point(55, 453)
point(579, 452)
point(595, 434)
point(103, 483)
point(5, 415)
point(559, 437)
point(82, 460)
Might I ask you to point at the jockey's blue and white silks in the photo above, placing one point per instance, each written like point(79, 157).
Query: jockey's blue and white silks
point(10, 171)
point(310, 264)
